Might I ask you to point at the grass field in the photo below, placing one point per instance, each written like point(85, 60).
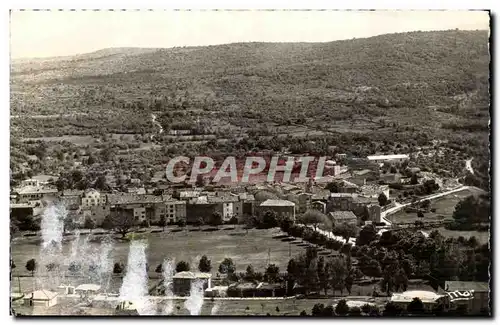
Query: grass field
point(444, 211)
point(254, 247)
point(444, 208)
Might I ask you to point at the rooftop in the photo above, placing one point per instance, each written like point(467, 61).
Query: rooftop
point(36, 190)
point(343, 195)
point(41, 295)
point(128, 198)
point(343, 215)
point(72, 193)
point(273, 203)
point(88, 287)
point(192, 275)
point(424, 296)
point(388, 157)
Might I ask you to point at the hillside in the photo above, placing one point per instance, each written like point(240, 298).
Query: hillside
point(360, 95)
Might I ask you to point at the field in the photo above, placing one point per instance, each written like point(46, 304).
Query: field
point(444, 211)
point(254, 247)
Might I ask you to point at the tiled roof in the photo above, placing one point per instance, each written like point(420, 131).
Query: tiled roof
point(134, 198)
point(72, 193)
point(192, 275)
point(283, 203)
point(342, 215)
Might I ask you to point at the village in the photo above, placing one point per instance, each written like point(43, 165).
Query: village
point(333, 211)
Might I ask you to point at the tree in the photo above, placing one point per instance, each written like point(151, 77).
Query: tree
point(51, 267)
point(205, 264)
point(227, 266)
point(163, 222)
point(382, 199)
point(250, 273)
point(338, 274)
point(122, 223)
point(314, 218)
point(367, 234)
point(303, 313)
point(420, 214)
point(89, 223)
point(355, 311)
point(391, 309)
point(342, 309)
point(182, 266)
point(216, 219)
point(317, 310)
point(159, 268)
point(31, 266)
point(181, 223)
point(414, 179)
point(118, 268)
point(101, 183)
point(272, 273)
point(200, 181)
point(415, 307)
point(269, 220)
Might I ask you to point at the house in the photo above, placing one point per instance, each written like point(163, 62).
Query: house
point(283, 208)
point(92, 197)
point(319, 205)
point(475, 296)
point(20, 211)
point(386, 158)
point(86, 290)
point(32, 193)
point(338, 217)
point(374, 213)
point(71, 197)
point(41, 298)
point(96, 213)
point(340, 201)
point(247, 202)
point(146, 207)
point(429, 299)
point(344, 186)
point(182, 282)
point(390, 178)
point(373, 190)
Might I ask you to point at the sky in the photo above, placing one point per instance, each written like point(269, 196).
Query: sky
point(60, 33)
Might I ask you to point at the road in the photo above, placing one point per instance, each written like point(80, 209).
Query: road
point(429, 197)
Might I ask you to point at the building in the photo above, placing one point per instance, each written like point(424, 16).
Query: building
point(319, 205)
point(390, 178)
point(20, 211)
point(33, 193)
point(374, 213)
point(338, 217)
point(41, 298)
point(373, 191)
point(387, 158)
point(475, 296)
point(92, 197)
point(182, 281)
point(283, 208)
point(71, 197)
point(340, 201)
point(147, 208)
point(429, 299)
point(86, 290)
point(96, 213)
point(344, 186)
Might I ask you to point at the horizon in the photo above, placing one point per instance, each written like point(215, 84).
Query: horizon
point(91, 31)
point(232, 43)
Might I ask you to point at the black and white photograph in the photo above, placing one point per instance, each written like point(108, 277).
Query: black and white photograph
point(285, 163)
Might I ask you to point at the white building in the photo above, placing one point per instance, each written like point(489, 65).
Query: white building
point(429, 299)
point(41, 298)
point(392, 158)
point(93, 198)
